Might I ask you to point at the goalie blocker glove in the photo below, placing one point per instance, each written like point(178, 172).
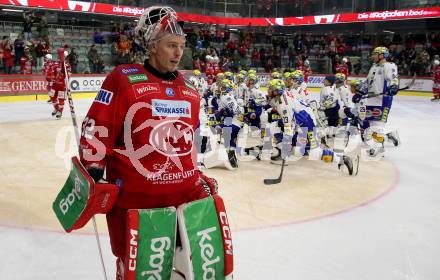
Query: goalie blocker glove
point(81, 198)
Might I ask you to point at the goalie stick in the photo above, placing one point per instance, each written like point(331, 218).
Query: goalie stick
point(77, 137)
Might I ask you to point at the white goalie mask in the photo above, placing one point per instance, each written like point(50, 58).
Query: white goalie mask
point(155, 23)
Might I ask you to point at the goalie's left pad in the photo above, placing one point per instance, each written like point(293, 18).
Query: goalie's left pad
point(150, 244)
point(81, 198)
point(206, 239)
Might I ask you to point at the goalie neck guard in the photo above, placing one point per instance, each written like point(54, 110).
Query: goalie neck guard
point(155, 23)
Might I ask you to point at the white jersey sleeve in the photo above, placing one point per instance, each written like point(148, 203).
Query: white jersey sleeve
point(379, 79)
point(227, 101)
point(344, 96)
point(328, 97)
point(258, 96)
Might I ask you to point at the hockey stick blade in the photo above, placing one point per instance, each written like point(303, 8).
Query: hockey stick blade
point(277, 180)
point(272, 181)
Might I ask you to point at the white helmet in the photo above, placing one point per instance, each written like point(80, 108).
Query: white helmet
point(436, 62)
point(306, 62)
point(66, 53)
point(155, 22)
point(209, 58)
point(345, 60)
point(48, 56)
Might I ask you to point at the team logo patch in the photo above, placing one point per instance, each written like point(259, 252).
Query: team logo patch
point(188, 93)
point(137, 78)
point(171, 108)
point(172, 138)
point(169, 92)
point(190, 85)
point(130, 70)
point(376, 112)
point(144, 89)
point(104, 97)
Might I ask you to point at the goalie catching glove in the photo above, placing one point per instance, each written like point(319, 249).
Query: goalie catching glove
point(81, 198)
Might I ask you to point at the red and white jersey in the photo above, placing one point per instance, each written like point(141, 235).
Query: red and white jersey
point(47, 70)
point(436, 76)
point(142, 129)
point(307, 71)
point(58, 74)
point(26, 65)
point(342, 68)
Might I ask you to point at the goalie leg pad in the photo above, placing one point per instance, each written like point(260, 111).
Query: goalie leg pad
point(81, 198)
point(150, 244)
point(206, 239)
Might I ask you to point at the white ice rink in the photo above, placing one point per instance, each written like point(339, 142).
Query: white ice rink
point(396, 237)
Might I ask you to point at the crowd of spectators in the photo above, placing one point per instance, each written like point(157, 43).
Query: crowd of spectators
point(263, 49)
point(250, 47)
point(124, 48)
point(25, 47)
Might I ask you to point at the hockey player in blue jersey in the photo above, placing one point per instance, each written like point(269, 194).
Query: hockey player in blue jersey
point(379, 89)
point(298, 129)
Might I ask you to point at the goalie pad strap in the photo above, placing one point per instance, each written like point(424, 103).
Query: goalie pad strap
point(81, 198)
point(150, 243)
point(226, 236)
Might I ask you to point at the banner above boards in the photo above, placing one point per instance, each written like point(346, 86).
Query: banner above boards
point(109, 9)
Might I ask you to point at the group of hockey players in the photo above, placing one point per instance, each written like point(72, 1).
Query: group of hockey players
point(291, 123)
point(56, 72)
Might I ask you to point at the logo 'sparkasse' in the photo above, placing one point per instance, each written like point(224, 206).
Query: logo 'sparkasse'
point(137, 78)
point(171, 108)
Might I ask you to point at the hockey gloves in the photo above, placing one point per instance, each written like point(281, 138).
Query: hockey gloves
point(81, 198)
point(356, 98)
point(209, 184)
point(393, 90)
point(348, 113)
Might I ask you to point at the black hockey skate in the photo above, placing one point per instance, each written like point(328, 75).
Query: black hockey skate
point(233, 158)
point(254, 151)
point(435, 99)
point(58, 115)
point(393, 139)
point(348, 163)
point(54, 112)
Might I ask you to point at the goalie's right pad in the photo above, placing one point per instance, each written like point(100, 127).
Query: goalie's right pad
point(151, 239)
point(206, 239)
point(81, 198)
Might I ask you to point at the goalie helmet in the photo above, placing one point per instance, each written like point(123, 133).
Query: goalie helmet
point(155, 23)
point(48, 56)
point(436, 62)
